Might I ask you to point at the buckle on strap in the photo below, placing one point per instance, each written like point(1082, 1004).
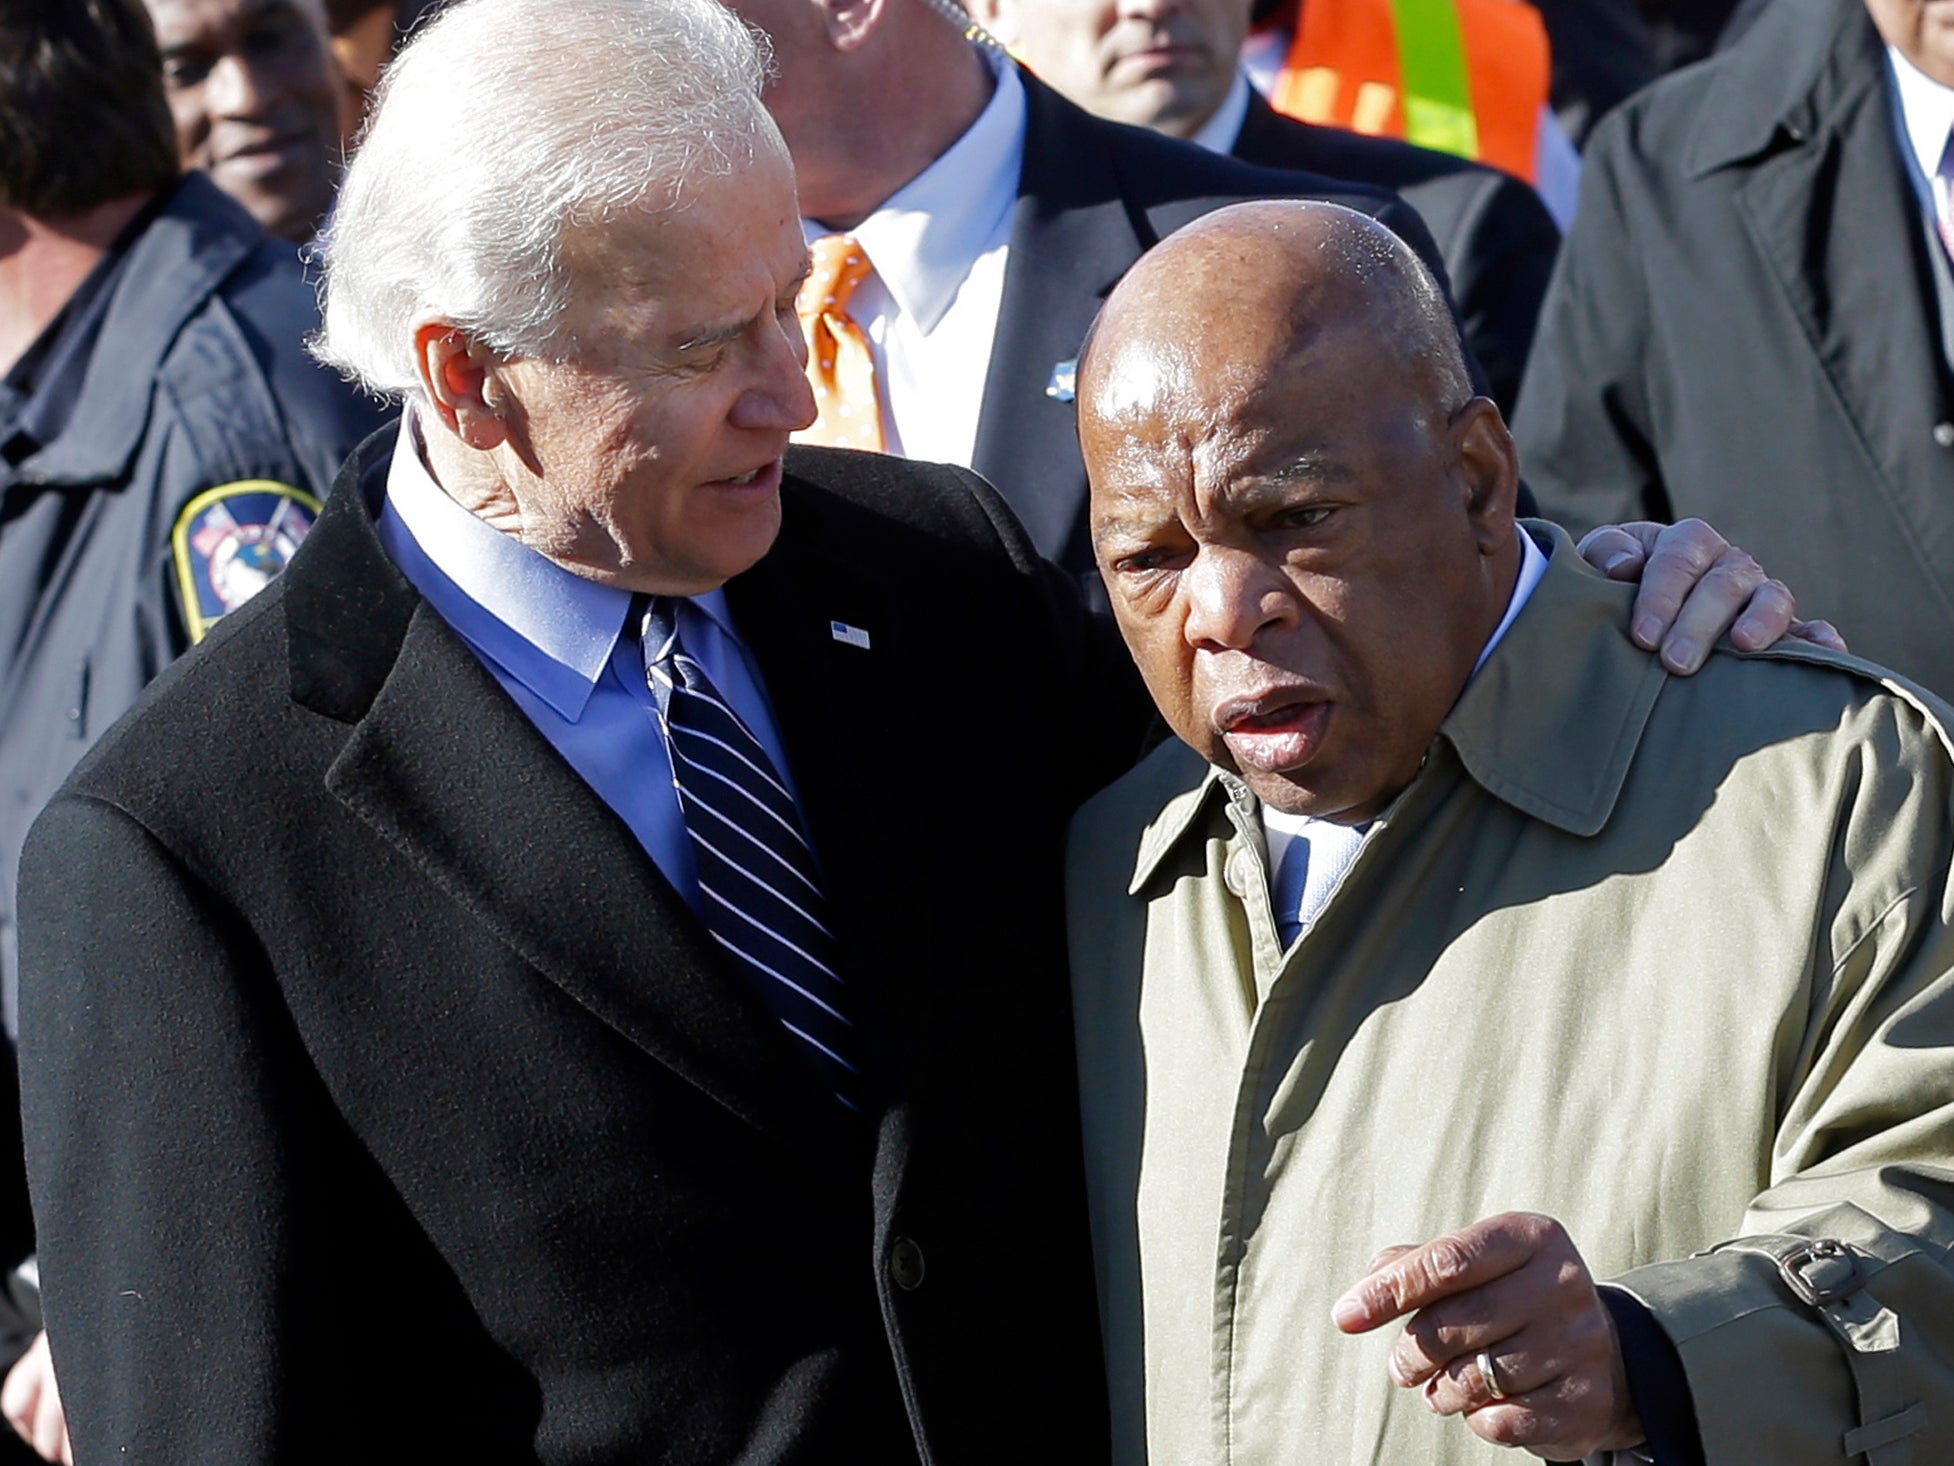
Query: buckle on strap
point(1821, 1271)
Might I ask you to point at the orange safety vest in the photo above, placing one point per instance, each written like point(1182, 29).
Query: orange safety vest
point(1464, 76)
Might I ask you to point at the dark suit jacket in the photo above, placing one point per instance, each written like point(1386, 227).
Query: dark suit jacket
point(1093, 197)
point(1497, 238)
point(384, 1102)
point(1745, 325)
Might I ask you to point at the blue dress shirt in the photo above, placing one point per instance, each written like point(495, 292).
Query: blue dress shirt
point(558, 645)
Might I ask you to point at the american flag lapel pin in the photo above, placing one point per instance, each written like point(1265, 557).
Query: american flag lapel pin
point(1065, 380)
point(848, 635)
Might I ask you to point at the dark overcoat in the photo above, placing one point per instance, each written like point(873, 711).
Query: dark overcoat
point(1750, 322)
point(384, 1101)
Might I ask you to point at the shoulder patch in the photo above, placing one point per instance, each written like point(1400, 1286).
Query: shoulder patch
point(231, 540)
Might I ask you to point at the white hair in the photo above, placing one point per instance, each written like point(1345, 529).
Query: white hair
point(500, 127)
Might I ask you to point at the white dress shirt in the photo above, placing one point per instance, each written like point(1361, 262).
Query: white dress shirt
point(555, 642)
point(1923, 117)
point(1308, 857)
point(938, 248)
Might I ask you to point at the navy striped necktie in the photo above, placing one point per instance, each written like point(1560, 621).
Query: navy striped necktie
point(761, 895)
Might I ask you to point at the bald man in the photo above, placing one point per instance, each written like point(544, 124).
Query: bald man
point(1174, 66)
point(1413, 993)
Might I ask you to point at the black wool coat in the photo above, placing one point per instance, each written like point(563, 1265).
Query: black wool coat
point(1749, 323)
point(384, 1102)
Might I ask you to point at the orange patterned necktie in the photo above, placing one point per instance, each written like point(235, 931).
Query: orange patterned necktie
point(840, 365)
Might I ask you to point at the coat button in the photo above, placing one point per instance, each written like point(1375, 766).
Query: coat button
point(1944, 434)
point(906, 1264)
point(1235, 875)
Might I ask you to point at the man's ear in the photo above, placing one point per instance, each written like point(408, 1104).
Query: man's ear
point(1489, 465)
point(851, 22)
point(457, 375)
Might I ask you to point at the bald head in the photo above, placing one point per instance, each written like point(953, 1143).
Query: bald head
point(1303, 515)
point(1286, 272)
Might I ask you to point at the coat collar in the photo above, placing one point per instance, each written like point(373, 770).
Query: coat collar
point(444, 767)
point(1801, 66)
point(197, 239)
point(1826, 202)
point(1550, 725)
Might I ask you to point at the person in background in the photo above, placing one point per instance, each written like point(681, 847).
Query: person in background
point(1470, 77)
point(365, 35)
point(1753, 319)
point(1452, 920)
point(257, 102)
point(1601, 53)
point(1172, 65)
point(164, 439)
point(966, 221)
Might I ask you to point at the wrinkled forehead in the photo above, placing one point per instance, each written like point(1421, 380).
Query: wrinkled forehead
point(1200, 359)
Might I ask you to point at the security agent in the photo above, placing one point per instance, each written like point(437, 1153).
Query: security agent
point(164, 440)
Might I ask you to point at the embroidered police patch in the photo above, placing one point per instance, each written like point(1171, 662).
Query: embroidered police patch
point(231, 540)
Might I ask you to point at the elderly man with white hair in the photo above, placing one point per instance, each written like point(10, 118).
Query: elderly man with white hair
point(599, 996)
point(576, 1012)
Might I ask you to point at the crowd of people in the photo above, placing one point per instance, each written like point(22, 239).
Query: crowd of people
point(870, 730)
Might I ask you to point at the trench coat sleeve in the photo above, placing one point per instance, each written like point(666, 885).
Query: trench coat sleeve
point(1863, 1156)
point(1583, 419)
point(172, 1281)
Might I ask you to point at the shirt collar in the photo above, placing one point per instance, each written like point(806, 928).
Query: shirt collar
point(1549, 722)
point(1220, 132)
point(925, 239)
point(550, 629)
point(1533, 565)
point(1926, 111)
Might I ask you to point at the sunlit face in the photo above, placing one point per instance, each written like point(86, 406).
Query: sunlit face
point(1165, 64)
point(1920, 30)
point(1300, 547)
point(652, 456)
point(252, 88)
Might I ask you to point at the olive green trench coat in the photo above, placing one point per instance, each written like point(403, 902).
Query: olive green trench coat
point(1668, 959)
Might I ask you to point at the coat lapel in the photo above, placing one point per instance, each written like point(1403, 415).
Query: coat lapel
point(1828, 204)
point(445, 768)
point(1072, 237)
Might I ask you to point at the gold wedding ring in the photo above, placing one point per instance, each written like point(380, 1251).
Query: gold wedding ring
point(1489, 1375)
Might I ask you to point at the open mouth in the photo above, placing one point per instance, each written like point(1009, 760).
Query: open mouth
point(766, 476)
point(1275, 733)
